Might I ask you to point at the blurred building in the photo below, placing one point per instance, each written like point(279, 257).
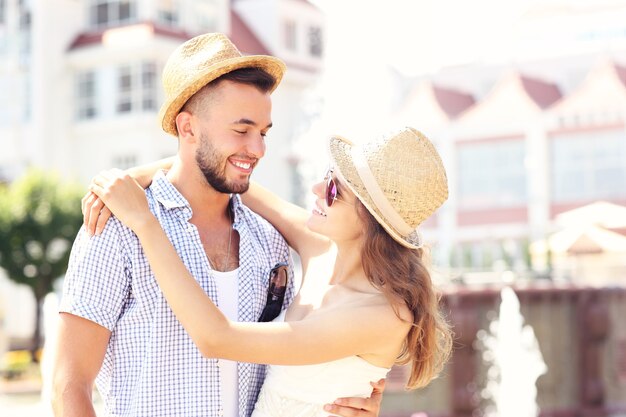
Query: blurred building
point(590, 245)
point(527, 140)
point(80, 85)
point(80, 80)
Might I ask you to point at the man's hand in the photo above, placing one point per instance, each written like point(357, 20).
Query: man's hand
point(359, 407)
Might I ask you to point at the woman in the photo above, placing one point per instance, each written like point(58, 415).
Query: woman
point(366, 301)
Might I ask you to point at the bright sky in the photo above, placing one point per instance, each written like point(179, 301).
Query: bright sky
point(420, 36)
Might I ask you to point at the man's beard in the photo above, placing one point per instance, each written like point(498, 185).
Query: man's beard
point(208, 160)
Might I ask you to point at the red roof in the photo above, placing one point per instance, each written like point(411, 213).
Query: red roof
point(452, 102)
point(621, 73)
point(84, 39)
point(90, 38)
point(243, 37)
point(240, 33)
point(543, 93)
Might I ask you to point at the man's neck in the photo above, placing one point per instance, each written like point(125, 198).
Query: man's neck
point(204, 200)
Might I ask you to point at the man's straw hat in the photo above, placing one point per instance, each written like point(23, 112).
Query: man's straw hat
point(399, 178)
point(199, 61)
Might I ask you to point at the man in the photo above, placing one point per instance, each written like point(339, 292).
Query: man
point(115, 327)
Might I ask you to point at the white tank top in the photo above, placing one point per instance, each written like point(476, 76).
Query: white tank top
point(303, 390)
point(227, 301)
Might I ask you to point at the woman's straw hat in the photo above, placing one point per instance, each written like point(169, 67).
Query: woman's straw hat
point(399, 178)
point(199, 61)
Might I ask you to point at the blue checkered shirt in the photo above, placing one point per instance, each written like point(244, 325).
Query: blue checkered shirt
point(151, 367)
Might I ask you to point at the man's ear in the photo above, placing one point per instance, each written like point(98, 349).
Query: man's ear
point(184, 126)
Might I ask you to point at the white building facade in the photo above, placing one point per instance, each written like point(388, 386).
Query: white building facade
point(80, 85)
point(81, 80)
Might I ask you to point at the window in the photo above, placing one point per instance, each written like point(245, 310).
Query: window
point(149, 86)
point(22, 39)
point(125, 90)
point(16, 103)
point(85, 95)
point(3, 6)
point(206, 14)
point(27, 86)
point(492, 175)
point(290, 35)
point(24, 15)
point(124, 161)
point(103, 13)
point(315, 41)
point(589, 166)
point(137, 88)
point(167, 12)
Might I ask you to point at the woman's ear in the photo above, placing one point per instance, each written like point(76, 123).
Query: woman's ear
point(184, 126)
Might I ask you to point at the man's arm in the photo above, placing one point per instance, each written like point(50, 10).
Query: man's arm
point(359, 407)
point(81, 345)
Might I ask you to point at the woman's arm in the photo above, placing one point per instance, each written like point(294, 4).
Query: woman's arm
point(343, 332)
point(96, 214)
point(289, 219)
point(143, 173)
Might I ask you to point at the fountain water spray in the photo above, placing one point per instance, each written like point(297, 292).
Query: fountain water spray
point(515, 359)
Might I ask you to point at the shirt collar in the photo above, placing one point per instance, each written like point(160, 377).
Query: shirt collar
point(168, 196)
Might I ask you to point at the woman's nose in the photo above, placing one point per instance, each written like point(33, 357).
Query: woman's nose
point(318, 188)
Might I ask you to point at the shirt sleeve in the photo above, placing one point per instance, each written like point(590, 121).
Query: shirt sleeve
point(97, 282)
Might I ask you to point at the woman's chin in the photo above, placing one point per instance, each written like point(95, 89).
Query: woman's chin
point(313, 223)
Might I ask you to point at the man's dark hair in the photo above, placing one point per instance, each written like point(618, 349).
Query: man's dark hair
point(255, 77)
point(251, 76)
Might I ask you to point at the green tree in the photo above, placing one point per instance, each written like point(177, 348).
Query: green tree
point(39, 218)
